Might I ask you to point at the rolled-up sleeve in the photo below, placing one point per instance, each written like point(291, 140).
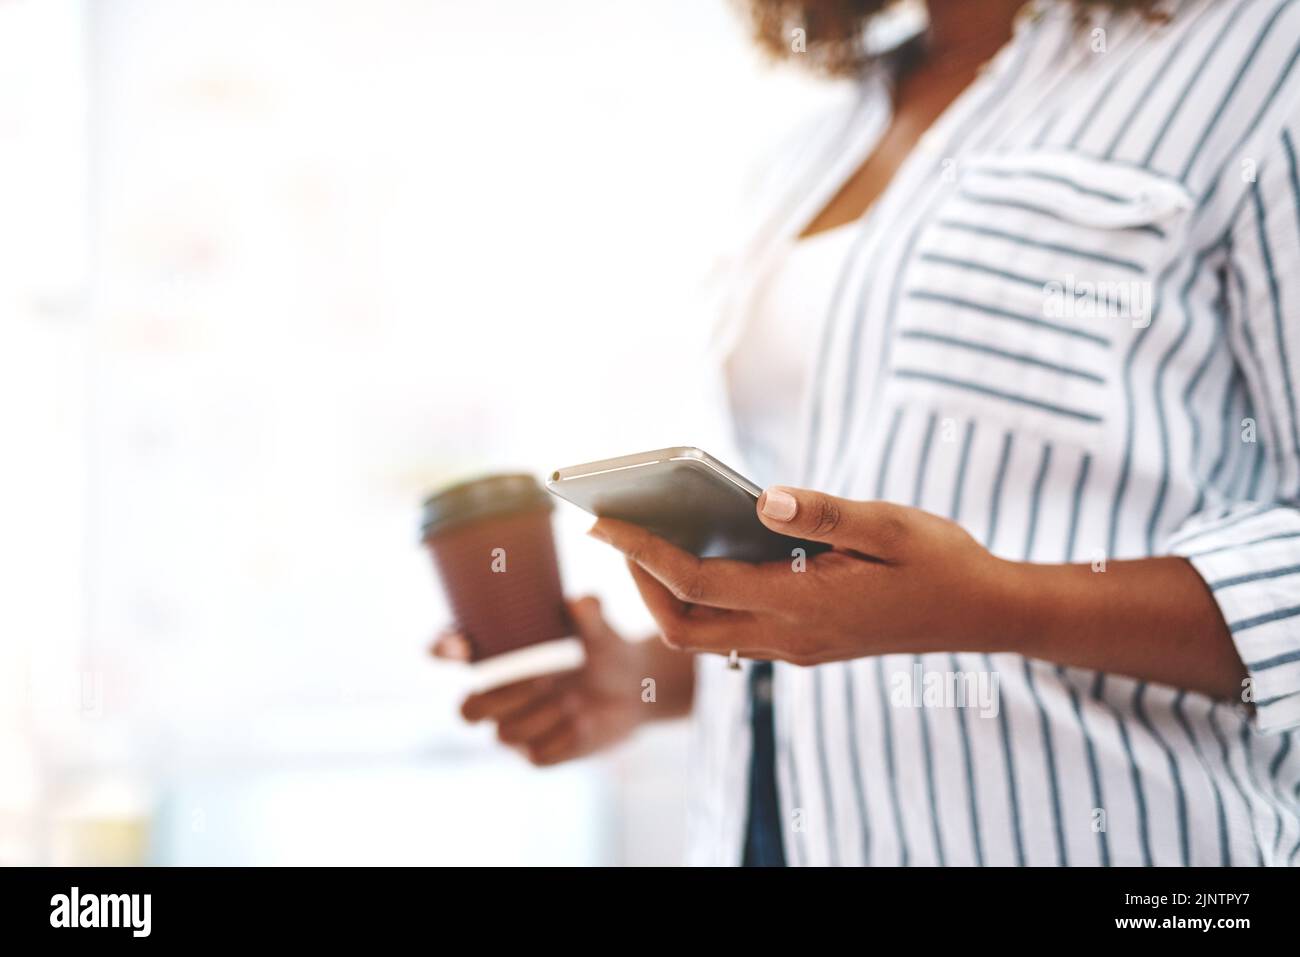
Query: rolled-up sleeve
point(1250, 559)
point(1249, 552)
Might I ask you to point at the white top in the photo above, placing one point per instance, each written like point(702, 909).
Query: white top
point(1070, 324)
point(767, 371)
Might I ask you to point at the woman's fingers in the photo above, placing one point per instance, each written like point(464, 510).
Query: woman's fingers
point(876, 529)
point(523, 727)
point(451, 646)
point(715, 582)
point(562, 743)
point(663, 606)
point(590, 621)
point(687, 627)
point(499, 702)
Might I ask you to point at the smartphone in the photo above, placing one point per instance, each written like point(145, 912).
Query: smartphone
point(683, 495)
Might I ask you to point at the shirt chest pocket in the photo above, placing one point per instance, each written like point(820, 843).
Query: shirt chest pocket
point(1024, 284)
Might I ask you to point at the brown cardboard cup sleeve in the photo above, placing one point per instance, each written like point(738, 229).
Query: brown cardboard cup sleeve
point(494, 552)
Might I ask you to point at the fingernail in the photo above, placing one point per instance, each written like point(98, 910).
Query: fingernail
point(779, 504)
point(598, 533)
point(456, 647)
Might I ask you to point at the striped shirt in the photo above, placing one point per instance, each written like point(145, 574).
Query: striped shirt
point(1072, 324)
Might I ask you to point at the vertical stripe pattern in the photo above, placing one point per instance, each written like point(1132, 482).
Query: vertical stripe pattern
point(1071, 324)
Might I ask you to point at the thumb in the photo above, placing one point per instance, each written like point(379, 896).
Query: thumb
point(870, 527)
point(590, 623)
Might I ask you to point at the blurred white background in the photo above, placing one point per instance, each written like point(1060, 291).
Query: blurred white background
point(269, 272)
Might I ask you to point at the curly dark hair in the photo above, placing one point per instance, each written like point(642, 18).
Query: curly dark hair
point(834, 30)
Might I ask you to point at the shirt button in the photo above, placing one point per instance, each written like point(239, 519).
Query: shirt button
point(763, 690)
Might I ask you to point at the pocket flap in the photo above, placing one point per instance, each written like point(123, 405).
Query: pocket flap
point(1098, 193)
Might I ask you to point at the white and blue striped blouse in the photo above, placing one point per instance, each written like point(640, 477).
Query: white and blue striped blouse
point(1072, 323)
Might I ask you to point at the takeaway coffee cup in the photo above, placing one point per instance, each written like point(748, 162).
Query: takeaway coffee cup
point(494, 553)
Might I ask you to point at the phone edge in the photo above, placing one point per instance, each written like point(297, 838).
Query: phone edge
point(677, 453)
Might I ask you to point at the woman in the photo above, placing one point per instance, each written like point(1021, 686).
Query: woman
point(1052, 309)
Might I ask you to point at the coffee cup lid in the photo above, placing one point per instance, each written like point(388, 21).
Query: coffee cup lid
point(480, 498)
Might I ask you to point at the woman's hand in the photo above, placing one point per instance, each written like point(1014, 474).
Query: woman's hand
point(901, 580)
point(559, 717)
point(896, 580)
